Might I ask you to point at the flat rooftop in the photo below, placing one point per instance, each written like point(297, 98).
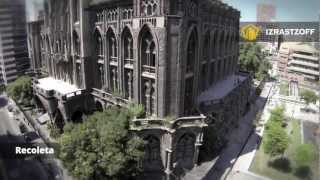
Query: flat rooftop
point(221, 88)
point(59, 86)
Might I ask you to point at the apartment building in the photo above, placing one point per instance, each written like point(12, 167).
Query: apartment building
point(299, 62)
point(14, 59)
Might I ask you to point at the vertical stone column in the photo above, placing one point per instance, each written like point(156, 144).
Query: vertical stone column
point(129, 55)
point(148, 95)
point(168, 170)
point(197, 148)
point(114, 80)
point(130, 85)
point(101, 74)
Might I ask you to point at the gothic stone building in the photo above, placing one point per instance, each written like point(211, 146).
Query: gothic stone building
point(178, 58)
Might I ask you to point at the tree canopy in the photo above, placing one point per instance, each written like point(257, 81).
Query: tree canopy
point(309, 96)
point(276, 140)
point(304, 154)
point(21, 90)
point(251, 59)
point(102, 146)
point(277, 114)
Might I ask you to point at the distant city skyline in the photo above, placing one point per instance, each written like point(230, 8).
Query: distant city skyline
point(287, 10)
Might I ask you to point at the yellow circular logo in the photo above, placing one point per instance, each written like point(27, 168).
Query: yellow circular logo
point(250, 32)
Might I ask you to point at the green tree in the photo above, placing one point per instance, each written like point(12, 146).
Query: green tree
point(277, 114)
point(309, 96)
point(54, 130)
point(21, 90)
point(304, 154)
point(276, 140)
point(263, 69)
point(2, 88)
point(251, 59)
point(102, 147)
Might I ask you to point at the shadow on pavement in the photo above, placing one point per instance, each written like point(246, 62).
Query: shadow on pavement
point(3, 101)
point(230, 153)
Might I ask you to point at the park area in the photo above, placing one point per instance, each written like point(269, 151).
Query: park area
point(285, 155)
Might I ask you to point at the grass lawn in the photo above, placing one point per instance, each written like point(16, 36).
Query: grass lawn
point(284, 88)
point(285, 168)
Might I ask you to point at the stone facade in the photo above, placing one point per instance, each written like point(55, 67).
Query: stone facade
point(35, 47)
point(169, 56)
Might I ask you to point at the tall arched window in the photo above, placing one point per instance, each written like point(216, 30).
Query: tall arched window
point(227, 44)
point(76, 45)
point(98, 43)
point(127, 49)
point(206, 47)
point(148, 64)
point(100, 62)
point(192, 48)
point(113, 60)
point(112, 46)
point(215, 50)
point(222, 44)
point(148, 53)
point(205, 59)
point(149, 7)
point(185, 149)
point(76, 12)
point(127, 46)
point(152, 150)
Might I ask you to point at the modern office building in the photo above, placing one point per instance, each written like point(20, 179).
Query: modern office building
point(176, 58)
point(299, 62)
point(14, 59)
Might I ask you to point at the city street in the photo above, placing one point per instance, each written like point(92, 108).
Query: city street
point(293, 107)
point(221, 167)
point(17, 169)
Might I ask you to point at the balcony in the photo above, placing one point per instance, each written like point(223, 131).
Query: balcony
point(109, 97)
point(313, 58)
point(114, 61)
point(303, 63)
point(128, 63)
point(148, 69)
point(304, 70)
point(169, 125)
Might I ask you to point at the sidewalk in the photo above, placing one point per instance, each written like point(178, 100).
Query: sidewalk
point(244, 161)
point(237, 140)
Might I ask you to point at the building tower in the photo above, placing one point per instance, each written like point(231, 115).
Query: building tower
point(14, 59)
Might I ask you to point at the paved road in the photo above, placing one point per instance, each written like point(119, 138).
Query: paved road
point(17, 169)
point(220, 168)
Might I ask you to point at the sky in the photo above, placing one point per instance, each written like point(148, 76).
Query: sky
point(286, 10)
point(32, 9)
